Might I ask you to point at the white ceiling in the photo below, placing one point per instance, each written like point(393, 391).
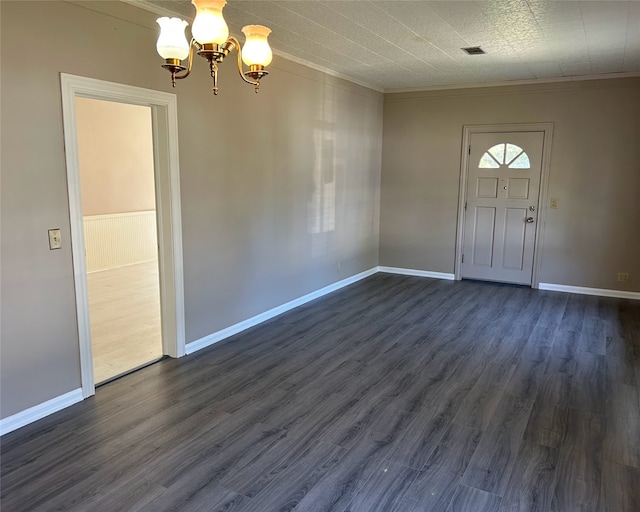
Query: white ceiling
point(408, 45)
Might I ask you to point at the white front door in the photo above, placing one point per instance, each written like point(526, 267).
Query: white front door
point(501, 207)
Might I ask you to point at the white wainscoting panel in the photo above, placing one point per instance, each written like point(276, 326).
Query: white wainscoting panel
point(120, 239)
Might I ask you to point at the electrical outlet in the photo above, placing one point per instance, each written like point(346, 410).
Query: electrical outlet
point(554, 203)
point(623, 277)
point(55, 240)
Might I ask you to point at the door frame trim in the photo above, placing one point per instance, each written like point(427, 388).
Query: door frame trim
point(467, 131)
point(164, 114)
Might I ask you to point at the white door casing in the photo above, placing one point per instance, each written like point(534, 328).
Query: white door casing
point(503, 181)
point(167, 182)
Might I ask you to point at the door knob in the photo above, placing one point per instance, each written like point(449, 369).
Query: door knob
point(529, 220)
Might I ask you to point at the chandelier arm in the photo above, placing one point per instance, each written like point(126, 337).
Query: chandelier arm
point(239, 51)
point(190, 62)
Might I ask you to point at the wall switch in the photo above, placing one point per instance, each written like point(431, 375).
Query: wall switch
point(623, 277)
point(55, 240)
point(554, 203)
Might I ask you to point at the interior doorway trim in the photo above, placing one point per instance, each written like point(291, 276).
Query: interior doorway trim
point(164, 116)
point(467, 131)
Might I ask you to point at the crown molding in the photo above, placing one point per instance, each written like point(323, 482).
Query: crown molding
point(151, 7)
point(326, 71)
point(478, 85)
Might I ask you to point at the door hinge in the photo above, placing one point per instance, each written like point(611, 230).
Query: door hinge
point(469, 149)
point(465, 205)
point(463, 258)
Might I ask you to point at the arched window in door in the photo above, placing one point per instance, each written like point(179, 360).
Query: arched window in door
point(507, 154)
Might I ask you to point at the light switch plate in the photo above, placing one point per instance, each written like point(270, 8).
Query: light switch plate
point(55, 239)
point(554, 203)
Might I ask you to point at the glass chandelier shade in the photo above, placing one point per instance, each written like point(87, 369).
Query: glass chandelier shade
point(209, 26)
point(172, 42)
point(256, 50)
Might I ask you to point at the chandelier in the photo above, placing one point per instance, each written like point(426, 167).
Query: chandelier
point(212, 41)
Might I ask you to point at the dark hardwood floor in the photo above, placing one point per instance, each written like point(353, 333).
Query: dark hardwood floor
point(395, 394)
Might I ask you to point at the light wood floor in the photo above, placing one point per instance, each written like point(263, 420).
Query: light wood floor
point(396, 394)
point(125, 319)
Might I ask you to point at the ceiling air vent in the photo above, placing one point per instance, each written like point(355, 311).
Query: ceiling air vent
point(473, 50)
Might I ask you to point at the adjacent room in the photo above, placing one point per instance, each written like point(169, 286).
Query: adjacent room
point(403, 276)
point(115, 157)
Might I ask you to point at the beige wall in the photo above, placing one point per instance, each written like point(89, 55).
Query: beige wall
point(276, 187)
point(595, 174)
point(115, 152)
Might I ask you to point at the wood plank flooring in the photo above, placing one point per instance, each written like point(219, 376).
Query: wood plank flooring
point(124, 304)
point(395, 394)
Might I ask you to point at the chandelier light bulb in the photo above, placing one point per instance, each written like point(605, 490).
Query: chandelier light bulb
point(172, 43)
point(256, 50)
point(209, 26)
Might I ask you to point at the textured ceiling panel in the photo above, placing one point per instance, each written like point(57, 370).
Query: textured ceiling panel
point(401, 45)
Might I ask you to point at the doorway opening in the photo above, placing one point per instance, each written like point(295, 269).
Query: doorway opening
point(168, 278)
point(503, 184)
point(115, 151)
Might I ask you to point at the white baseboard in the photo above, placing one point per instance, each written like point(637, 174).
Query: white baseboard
point(37, 412)
point(620, 294)
point(417, 273)
point(267, 315)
